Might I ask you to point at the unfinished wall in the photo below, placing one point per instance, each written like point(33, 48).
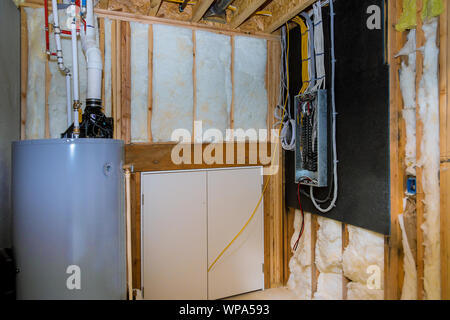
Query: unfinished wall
point(192, 80)
point(9, 108)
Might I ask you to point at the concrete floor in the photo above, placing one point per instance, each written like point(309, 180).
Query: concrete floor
point(268, 294)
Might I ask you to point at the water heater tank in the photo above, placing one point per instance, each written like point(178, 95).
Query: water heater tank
point(68, 219)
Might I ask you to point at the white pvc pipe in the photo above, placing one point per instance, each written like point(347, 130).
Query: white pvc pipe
point(128, 214)
point(59, 54)
point(93, 56)
point(69, 99)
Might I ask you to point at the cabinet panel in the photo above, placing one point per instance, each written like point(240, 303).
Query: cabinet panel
point(232, 197)
point(174, 239)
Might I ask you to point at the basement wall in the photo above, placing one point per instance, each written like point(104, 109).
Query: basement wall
point(192, 80)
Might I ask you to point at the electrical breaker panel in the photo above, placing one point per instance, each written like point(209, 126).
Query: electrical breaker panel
point(311, 139)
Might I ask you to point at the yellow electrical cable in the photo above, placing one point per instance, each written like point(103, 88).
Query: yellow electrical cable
point(305, 62)
point(273, 157)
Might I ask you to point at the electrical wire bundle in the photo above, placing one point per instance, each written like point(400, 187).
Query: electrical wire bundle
point(287, 122)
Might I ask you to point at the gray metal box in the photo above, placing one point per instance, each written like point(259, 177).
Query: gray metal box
point(319, 177)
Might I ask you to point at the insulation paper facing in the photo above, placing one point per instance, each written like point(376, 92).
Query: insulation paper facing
point(428, 97)
point(250, 103)
point(139, 81)
point(300, 264)
point(172, 81)
point(213, 85)
point(35, 124)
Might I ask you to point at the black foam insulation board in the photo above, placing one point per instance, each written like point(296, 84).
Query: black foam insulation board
point(362, 104)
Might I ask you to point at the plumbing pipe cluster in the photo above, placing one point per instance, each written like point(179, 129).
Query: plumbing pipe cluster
point(90, 49)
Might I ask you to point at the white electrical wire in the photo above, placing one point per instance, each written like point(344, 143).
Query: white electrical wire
point(287, 134)
point(333, 106)
point(319, 50)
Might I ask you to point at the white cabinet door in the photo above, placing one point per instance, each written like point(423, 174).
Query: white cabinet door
point(232, 197)
point(174, 239)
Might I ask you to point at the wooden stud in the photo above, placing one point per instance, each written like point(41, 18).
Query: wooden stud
point(125, 62)
point(283, 11)
point(245, 8)
point(200, 8)
point(232, 84)
point(420, 41)
point(444, 74)
point(118, 80)
point(23, 72)
point(194, 84)
point(314, 271)
point(392, 261)
point(135, 188)
point(345, 240)
point(150, 83)
point(154, 7)
point(114, 76)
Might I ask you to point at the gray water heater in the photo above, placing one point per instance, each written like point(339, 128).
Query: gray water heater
point(68, 219)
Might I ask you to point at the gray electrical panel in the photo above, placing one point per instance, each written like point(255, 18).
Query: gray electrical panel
point(311, 139)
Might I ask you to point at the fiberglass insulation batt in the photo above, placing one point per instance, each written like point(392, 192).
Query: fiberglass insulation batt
point(250, 103)
point(328, 254)
point(362, 259)
point(213, 85)
point(300, 264)
point(35, 117)
point(428, 97)
point(139, 81)
point(172, 81)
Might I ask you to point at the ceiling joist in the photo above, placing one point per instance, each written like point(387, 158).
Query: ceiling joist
point(154, 7)
point(283, 11)
point(245, 8)
point(199, 9)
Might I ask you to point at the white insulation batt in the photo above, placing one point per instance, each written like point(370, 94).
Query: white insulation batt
point(107, 69)
point(408, 88)
point(35, 115)
point(213, 85)
point(172, 81)
point(363, 260)
point(250, 104)
point(300, 264)
point(328, 254)
point(139, 81)
point(428, 97)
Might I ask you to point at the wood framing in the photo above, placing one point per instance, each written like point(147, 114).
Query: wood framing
point(393, 246)
point(23, 71)
point(283, 11)
point(444, 101)
point(200, 8)
point(125, 48)
point(245, 8)
point(150, 84)
point(154, 7)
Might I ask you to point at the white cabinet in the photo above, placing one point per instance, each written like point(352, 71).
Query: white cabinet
point(188, 218)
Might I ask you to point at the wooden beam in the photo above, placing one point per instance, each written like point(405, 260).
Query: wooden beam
point(48, 83)
point(125, 62)
point(345, 240)
point(393, 246)
point(150, 84)
point(158, 156)
point(245, 8)
point(101, 32)
point(420, 41)
point(114, 75)
point(194, 84)
point(135, 190)
point(154, 7)
point(283, 11)
point(232, 84)
point(444, 105)
point(126, 16)
point(23, 72)
point(199, 9)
